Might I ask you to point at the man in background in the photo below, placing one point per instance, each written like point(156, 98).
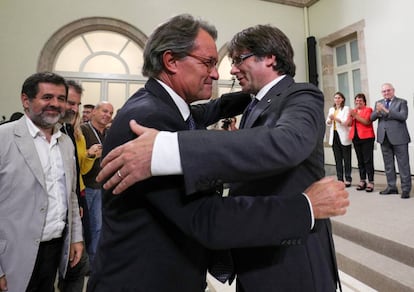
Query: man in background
point(75, 277)
point(95, 132)
point(87, 112)
point(392, 134)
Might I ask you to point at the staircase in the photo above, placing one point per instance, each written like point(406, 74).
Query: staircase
point(374, 241)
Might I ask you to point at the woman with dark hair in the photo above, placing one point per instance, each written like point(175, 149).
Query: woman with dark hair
point(339, 138)
point(363, 136)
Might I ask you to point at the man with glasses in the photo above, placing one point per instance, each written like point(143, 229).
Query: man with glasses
point(281, 155)
point(392, 134)
point(87, 112)
point(154, 237)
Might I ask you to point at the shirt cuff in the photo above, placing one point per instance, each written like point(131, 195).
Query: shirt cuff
point(165, 158)
point(311, 211)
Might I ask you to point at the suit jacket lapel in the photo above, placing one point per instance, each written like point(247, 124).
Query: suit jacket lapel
point(68, 165)
point(159, 92)
point(272, 96)
point(25, 144)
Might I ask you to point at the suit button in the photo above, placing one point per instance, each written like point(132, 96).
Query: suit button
point(42, 210)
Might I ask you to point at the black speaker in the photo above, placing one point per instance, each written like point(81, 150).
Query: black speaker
point(312, 68)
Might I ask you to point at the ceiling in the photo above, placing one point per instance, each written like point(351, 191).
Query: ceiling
point(297, 3)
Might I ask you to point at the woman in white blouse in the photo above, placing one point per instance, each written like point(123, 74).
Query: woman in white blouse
point(339, 138)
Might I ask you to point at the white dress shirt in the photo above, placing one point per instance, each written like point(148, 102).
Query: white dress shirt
point(54, 174)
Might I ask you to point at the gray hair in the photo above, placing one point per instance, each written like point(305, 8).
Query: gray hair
point(176, 35)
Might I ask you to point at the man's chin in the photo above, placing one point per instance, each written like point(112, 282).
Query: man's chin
point(51, 120)
point(68, 118)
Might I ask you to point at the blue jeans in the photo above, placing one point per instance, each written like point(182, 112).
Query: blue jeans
point(94, 202)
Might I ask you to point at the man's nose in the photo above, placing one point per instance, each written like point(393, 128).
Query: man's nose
point(214, 74)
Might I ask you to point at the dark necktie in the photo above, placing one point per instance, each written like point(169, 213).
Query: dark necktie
point(221, 266)
point(387, 103)
point(247, 112)
point(191, 123)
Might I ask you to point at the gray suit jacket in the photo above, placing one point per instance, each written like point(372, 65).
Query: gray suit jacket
point(24, 202)
point(394, 123)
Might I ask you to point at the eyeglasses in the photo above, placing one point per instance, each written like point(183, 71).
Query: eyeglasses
point(238, 60)
point(210, 63)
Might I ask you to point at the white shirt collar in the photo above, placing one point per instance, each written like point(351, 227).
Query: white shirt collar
point(178, 100)
point(35, 131)
point(262, 92)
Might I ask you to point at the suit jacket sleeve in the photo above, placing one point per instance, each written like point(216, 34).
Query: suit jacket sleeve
point(228, 105)
point(249, 154)
point(236, 222)
point(76, 224)
point(401, 114)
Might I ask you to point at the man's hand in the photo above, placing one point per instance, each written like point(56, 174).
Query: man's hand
point(75, 253)
point(3, 284)
point(130, 162)
point(381, 108)
point(95, 151)
point(328, 198)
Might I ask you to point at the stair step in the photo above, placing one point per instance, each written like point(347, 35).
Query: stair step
point(384, 246)
point(374, 269)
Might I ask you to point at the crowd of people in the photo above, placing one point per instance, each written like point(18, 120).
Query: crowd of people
point(356, 125)
point(142, 209)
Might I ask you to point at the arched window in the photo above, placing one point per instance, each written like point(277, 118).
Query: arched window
point(103, 54)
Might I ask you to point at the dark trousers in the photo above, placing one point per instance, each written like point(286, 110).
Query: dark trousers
point(399, 152)
point(364, 150)
point(342, 156)
point(75, 277)
point(47, 262)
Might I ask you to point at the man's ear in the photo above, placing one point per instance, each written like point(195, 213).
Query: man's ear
point(270, 60)
point(170, 62)
point(25, 100)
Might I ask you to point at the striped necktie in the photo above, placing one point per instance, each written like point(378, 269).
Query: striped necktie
point(191, 123)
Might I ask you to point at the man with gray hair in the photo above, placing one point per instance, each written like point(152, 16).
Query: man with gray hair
point(392, 133)
point(95, 131)
point(157, 235)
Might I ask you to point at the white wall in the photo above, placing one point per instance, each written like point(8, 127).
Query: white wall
point(25, 26)
point(389, 48)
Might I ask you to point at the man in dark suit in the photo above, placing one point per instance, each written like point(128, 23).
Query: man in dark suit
point(392, 134)
point(281, 156)
point(154, 238)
